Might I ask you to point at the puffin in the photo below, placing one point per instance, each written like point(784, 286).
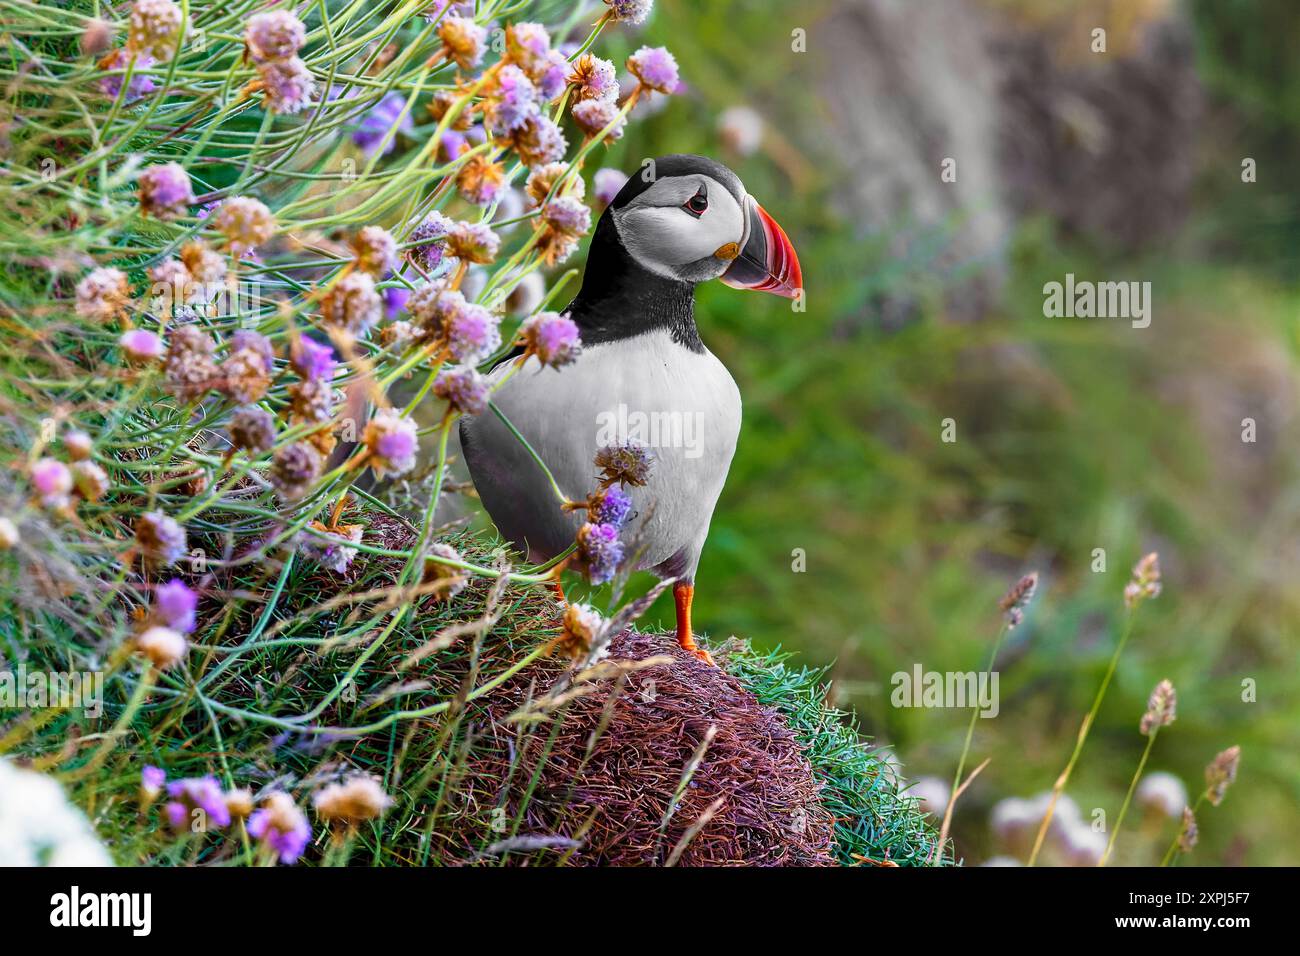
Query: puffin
point(681, 220)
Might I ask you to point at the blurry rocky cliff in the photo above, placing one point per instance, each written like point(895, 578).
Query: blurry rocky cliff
point(1035, 120)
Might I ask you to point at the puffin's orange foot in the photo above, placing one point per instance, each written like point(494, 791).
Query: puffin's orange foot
point(684, 593)
point(702, 654)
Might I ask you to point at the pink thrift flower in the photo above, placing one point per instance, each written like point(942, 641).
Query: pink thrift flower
point(655, 67)
point(52, 481)
point(141, 345)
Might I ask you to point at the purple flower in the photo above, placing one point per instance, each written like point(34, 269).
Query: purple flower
point(165, 191)
point(161, 539)
point(554, 77)
point(600, 551)
point(567, 215)
point(528, 45)
point(464, 389)
point(374, 127)
point(281, 827)
point(257, 343)
point(472, 334)
point(52, 481)
point(552, 337)
point(141, 83)
point(594, 78)
point(515, 101)
point(395, 299)
point(274, 35)
point(152, 779)
point(655, 67)
point(141, 345)
point(451, 145)
point(626, 463)
point(174, 605)
point(197, 793)
point(312, 360)
point(592, 116)
point(392, 442)
point(610, 506)
point(429, 240)
point(539, 141)
point(396, 446)
point(607, 183)
point(287, 84)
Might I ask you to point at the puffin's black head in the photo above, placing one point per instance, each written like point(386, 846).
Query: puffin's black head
point(689, 218)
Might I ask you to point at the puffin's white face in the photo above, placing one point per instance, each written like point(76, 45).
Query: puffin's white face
point(686, 227)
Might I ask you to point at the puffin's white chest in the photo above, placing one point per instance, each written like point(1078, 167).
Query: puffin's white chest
point(681, 405)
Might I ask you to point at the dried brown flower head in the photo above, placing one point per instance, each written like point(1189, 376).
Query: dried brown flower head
point(1146, 581)
point(447, 579)
point(354, 801)
point(1161, 708)
point(1189, 833)
point(1015, 601)
point(627, 463)
point(1221, 773)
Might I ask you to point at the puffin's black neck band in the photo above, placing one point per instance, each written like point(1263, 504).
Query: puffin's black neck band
point(620, 298)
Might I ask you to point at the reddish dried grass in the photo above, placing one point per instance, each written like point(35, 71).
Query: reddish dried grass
point(754, 778)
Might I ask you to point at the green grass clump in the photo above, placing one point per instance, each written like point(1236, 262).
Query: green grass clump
point(875, 820)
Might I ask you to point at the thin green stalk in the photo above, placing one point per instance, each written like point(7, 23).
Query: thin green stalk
point(1059, 787)
point(1128, 797)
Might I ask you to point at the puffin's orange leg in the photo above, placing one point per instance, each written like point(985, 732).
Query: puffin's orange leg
point(557, 585)
point(684, 594)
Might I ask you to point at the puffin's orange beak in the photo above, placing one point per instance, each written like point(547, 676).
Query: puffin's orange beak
point(767, 261)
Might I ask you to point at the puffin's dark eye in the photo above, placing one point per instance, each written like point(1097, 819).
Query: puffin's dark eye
point(697, 204)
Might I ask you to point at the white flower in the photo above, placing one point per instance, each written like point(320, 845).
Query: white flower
point(162, 645)
point(38, 827)
point(1162, 793)
point(932, 793)
point(741, 129)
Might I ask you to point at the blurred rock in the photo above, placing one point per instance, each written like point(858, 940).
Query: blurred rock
point(1035, 121)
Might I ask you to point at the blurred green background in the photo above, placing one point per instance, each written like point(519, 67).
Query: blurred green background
point(925, 302)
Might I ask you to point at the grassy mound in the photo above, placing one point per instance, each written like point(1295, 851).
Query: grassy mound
point(491, 750)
